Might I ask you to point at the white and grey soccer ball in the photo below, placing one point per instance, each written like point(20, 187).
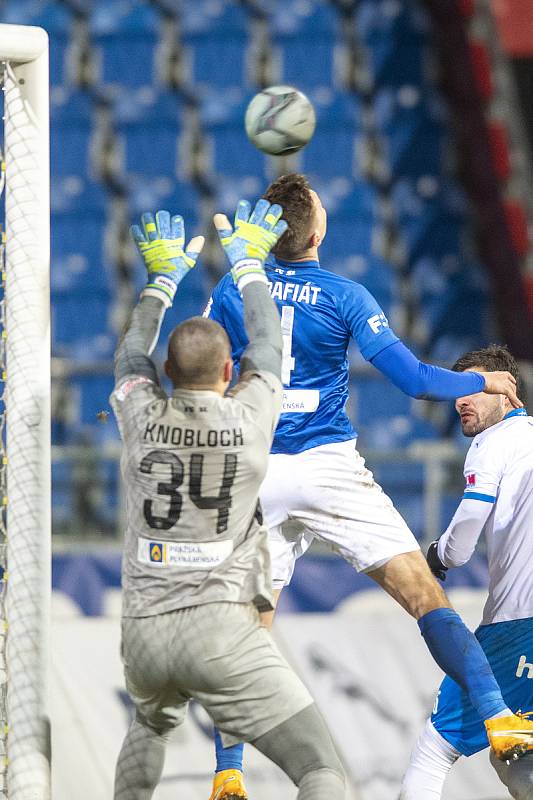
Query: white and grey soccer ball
point(280, 120)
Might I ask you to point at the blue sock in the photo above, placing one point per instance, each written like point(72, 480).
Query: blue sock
point(457, 651)
point(227, 757)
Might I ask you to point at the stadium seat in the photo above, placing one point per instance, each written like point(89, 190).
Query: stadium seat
point(93, 389)
point(72, 130)
point(410, 124)
point(62, 499)
point(452, 298)
point(79, 260)
point(215, 37)
point(125, 35)
point(177, 197)
point(499, 145)
point(228, 149)
point(431, 216)
point(298, 29)
point(55, 19)
point(79, 316)
point(331, 151)
point(149, 125)
point(481, 65)
point(517, 223)
point(394, 35)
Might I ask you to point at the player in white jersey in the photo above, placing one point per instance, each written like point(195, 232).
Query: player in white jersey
point(317, 484)
point(196, 567)
point(497, 501)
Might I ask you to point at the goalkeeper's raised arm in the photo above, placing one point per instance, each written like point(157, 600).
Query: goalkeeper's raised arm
point(160, 241)
point(246, 247)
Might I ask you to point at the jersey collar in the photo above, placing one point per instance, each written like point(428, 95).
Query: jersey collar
point(516, 412)
point(310, 264)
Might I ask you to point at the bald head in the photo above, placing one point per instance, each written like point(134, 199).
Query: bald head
point(198, 351)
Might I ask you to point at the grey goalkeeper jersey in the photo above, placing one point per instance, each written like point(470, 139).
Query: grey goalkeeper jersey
point(192, 465)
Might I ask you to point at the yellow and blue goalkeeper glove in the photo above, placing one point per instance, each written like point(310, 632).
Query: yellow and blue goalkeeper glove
point(249, 243)
point(160, 243)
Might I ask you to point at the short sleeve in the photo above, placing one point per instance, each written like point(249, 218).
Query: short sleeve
point(366, 321)
point(130, 401)
point(483, 471)
point(261, 393)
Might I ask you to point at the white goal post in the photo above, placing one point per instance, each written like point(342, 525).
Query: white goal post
point(24, 56)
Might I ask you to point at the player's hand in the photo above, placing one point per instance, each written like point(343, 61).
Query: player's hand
point(435, 564)
point(502, 383)
point(248, 244)
point(160, 243)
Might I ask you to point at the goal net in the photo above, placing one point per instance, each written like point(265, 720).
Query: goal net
point(25, 417)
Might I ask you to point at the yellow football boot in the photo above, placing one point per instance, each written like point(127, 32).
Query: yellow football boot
point(228, 785)
point(510, 737)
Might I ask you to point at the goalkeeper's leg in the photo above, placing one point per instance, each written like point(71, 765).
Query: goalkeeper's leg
point(141, 760)
point(303, 748)
point(517, 775)
point(228, 782)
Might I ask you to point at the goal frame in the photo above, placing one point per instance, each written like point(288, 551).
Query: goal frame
point(24, 51)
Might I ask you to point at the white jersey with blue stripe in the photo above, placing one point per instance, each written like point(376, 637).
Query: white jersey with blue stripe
point(320, 312)
point(498, 499)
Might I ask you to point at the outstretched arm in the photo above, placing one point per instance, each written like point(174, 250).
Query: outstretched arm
point(425, 381)
point(160, 243)
point(246, 247)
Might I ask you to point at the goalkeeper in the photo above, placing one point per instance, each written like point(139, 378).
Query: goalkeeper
point(196, 568)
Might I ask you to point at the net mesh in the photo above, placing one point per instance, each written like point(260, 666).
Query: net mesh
point(3, 490)
point(25, 349)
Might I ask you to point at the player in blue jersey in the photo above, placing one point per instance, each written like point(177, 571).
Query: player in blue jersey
point(498, 502)
point(317, 484)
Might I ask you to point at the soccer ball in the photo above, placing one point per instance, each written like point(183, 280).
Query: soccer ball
point(280, 120)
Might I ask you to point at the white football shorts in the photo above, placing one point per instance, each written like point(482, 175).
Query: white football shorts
point(327, 493)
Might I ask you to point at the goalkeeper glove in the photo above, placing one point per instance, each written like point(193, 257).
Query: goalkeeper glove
point(160, 243)
point(248, 245)
point(435, 564)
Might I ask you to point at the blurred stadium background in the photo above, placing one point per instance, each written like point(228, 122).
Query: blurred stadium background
point(422, 158)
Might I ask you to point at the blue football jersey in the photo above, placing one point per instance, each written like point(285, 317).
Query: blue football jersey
point(320, 312)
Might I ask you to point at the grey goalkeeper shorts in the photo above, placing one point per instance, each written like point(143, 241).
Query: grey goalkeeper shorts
point(217, 654)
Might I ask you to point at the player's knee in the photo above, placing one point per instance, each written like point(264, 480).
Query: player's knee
point(160, 725)
point(422, 593)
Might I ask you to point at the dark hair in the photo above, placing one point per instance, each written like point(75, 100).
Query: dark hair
point(493, 358)
point(197, 350)
point(293, 193)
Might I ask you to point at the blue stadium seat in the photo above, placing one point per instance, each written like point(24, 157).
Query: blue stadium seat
point(177, 197)
point(331, 151)
point(216, 40)
point(125, 35)
point(149, 125)
point(430, 214)
point(452, 297)
point(94, 390)
point(71, 132)
point(395, 35)
point(79, 316)
point(228, 190)
point(229, 150)
point(79, 261)
point(411, 129)
point(306, 44)
point(62, 499)
point(55, 18)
